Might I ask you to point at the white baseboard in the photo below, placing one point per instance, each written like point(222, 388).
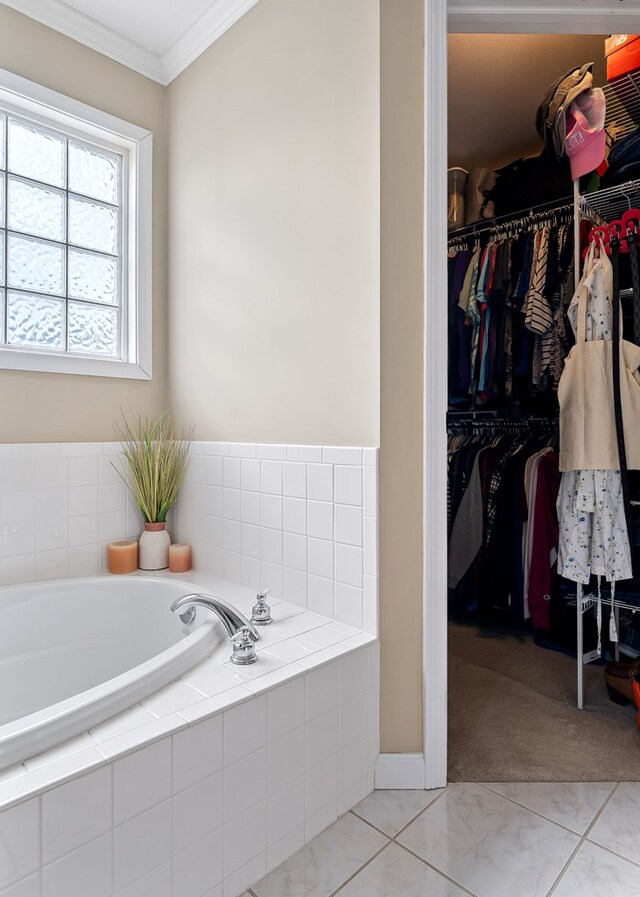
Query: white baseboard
point(400, 771)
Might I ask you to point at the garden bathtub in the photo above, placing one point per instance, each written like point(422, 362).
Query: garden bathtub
point(74, 653)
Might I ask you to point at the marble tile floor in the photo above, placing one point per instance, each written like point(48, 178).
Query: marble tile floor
point(492, 840)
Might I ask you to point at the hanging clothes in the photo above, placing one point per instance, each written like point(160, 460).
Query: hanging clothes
point(506, 318)
point(593, 536)
point(587, 425)
point(487, 563)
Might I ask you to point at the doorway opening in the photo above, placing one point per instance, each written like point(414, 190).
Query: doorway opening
point(497, 685)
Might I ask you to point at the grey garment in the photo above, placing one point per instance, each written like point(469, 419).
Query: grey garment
point(537, 311)
point(466, 532)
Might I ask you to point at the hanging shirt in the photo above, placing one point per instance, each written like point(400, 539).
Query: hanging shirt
point(458, 367)
point(475, 317)
point(470, 283)
point(593, 537)
point(530, 486)
point(537, 311)
point(544, 554)
point(466, 532)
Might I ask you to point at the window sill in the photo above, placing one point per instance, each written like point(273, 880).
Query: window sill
point(18, 360)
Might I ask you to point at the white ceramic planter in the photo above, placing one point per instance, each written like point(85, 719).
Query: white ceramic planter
point(153, 550)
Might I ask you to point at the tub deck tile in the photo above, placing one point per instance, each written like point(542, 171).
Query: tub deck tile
point(34, 781)
point(60, 752)
point(274, 677)
point(172, 698)
point(122, 723)
point(211, 706)
point(129, 741)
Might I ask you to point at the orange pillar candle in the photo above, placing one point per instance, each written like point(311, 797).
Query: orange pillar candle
point(122, 557)
point(179, 558)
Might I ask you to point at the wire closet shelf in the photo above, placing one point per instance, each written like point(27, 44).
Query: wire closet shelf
point(611, 203)
point(623, 104)
point(623, 118)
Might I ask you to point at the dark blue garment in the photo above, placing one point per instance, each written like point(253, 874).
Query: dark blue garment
point(624, 160)
point(458, 335)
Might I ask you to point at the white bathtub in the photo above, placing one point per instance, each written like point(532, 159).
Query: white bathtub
point(74, 653)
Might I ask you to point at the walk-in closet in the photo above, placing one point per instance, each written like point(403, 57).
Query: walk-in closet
point(543, 423)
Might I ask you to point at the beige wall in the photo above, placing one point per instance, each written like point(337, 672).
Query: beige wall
point(274, 227)
point(36, 407)
point(274, 261)
point(402, 28)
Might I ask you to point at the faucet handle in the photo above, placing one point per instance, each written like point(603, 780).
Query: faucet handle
point(261, 613)
point(244, 651)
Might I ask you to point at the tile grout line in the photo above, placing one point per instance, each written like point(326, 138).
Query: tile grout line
point(565, 868)
point(610, 850)
point(389, 840)
point(597, 843)
point(548, 818)
point(583, 839)
point(421, 813)
point(371, 825)
point(404, 827)
point(393, 840)
point(435, 869)
point(358, 871)
point(601, 810)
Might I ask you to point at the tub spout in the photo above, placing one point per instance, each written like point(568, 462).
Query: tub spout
point(241, 632)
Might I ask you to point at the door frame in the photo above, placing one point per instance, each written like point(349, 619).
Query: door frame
point(469, 16)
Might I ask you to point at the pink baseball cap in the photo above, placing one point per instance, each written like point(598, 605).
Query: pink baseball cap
point(585, 143)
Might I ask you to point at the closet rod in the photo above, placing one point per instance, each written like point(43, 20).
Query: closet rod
point(558, 205)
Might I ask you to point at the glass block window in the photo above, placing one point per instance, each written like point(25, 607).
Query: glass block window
point(62, 233)
point(75, 236)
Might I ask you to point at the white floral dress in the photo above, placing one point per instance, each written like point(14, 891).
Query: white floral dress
point(593, 537)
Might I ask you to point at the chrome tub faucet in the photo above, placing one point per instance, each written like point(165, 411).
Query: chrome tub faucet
point(242, 633)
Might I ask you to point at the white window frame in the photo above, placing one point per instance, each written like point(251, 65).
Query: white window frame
point(75, 119)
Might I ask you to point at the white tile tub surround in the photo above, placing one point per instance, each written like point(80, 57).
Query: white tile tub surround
point(207, 785)
point(60, 505)
point(299, 520)
point(209, 797)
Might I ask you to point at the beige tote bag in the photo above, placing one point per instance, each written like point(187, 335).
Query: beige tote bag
point(585, 392)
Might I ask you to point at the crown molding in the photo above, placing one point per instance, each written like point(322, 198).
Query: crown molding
point(195, 40)
point(467, 16)
point(87, 31)
point(205, 31)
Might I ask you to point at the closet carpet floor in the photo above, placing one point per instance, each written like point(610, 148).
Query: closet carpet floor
point(513, 715)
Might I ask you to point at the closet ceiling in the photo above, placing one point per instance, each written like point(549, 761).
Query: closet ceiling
point(496, 82)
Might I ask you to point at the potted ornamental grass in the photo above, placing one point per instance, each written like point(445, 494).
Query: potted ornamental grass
point(155, 459)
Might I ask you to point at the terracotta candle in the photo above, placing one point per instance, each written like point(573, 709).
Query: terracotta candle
point(122, 557)
point(179, 558)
